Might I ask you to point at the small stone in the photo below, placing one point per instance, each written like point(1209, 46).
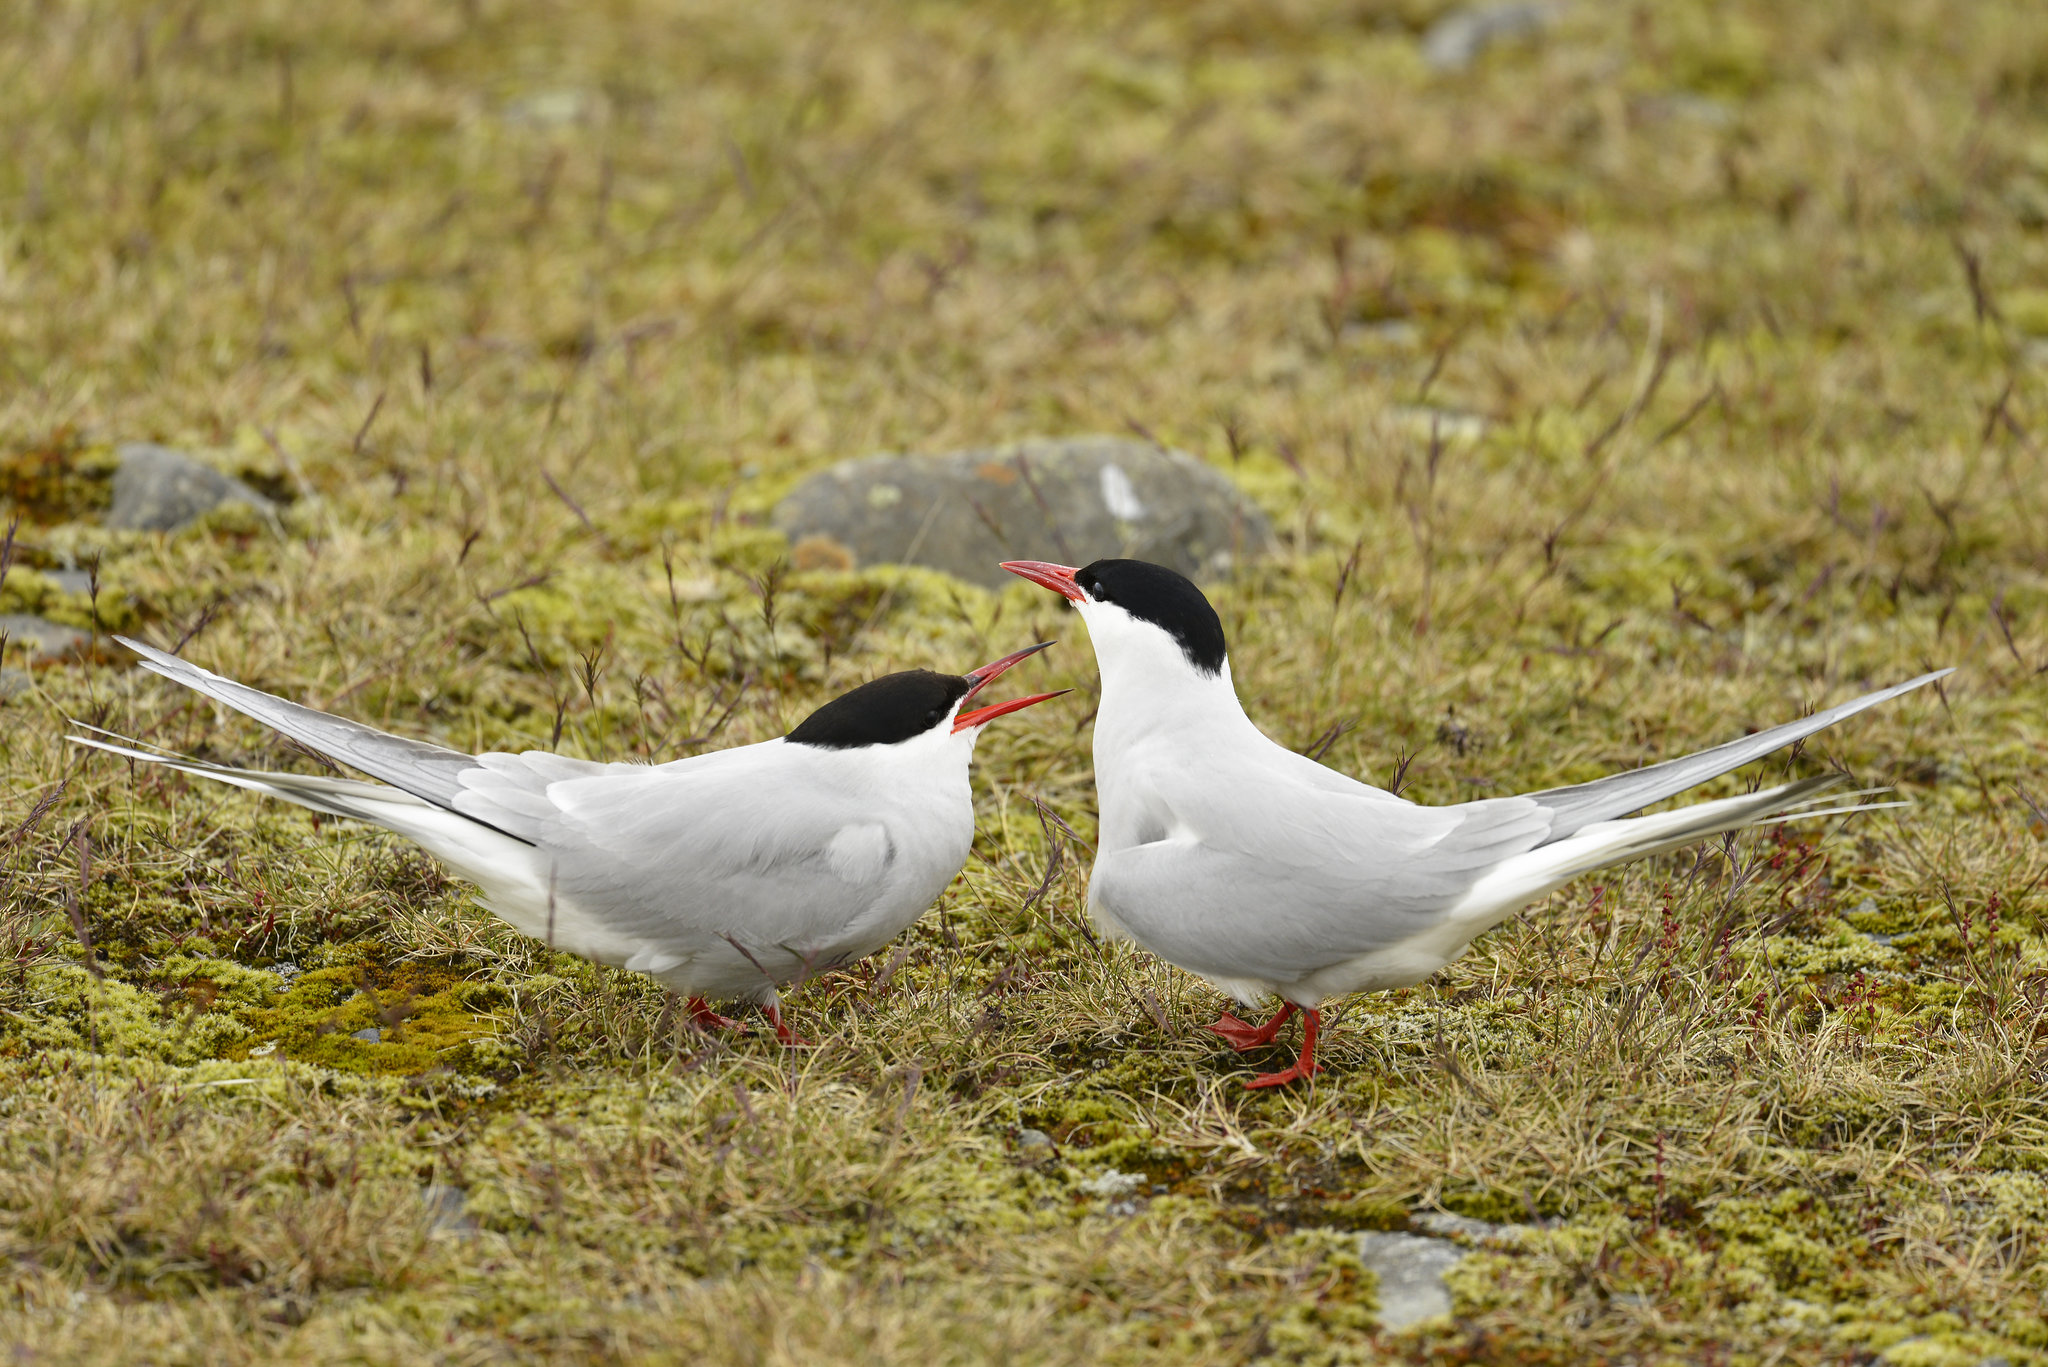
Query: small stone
point(1397, 332)
point(1072, 501)
point(40, 639)
point(1439, 424)
point(158, 489)
point(1449, 1226)
point(1689, 108)
point(1033, 1139)
point(555, 108)
point(1113, 1184)
point(1455, 41)
point(71, 581)
point(370, 1036)
point(1411, 1272)
point(445, 1206)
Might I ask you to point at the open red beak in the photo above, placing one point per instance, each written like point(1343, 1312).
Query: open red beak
point(981, 716)
point(981, 678)
point(1058, 578)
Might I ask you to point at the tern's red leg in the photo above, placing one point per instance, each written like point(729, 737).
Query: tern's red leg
point(1305, 1063)
point(790, 1038)
point(1242, 1036)
point(704, 1018)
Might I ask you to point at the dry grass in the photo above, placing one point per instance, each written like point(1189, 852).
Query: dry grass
point(534, 309)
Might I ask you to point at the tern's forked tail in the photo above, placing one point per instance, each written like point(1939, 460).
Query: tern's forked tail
point(1526, 877)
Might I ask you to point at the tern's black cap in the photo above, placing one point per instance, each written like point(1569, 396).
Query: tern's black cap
point(1156, 594)
point(884, 711)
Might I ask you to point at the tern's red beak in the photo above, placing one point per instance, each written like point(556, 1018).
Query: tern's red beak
point(1058, 578)
point(986, 675)
point(981, 716)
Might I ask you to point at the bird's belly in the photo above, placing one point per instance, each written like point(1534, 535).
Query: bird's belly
point(1403, 964)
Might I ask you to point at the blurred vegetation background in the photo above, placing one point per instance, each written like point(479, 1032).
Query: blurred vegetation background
point(1645, 374)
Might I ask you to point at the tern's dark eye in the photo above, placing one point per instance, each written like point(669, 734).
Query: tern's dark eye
point(931, 718)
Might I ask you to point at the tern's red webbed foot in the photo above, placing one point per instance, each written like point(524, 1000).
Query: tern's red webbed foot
point(707, 1020)
point(1305, 1064)
point(790, 1038)
point(1241, 1035)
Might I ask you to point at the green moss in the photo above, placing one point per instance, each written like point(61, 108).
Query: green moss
point(1836, 949)
point(68, 1008)
point(1789, 1242)
point(58, 479)
point(426, 1017)
point(1326, 1321)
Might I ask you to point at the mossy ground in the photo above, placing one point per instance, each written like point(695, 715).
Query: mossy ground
point(1654, 380)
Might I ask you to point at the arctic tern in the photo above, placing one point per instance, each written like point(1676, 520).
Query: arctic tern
point(721, 876)
point(1270, 874)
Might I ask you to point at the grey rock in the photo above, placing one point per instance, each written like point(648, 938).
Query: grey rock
point(1439, 424)
point(71, 581)
point(158, 489)
point(445, 1210)
point(1448, 1226)
point(1112, 1183)
point(1688, 108)
point(1072, 501)
point(370, 1036)
point(555, 108)
point(1033, 1139)
point(14, 683)
point(1411, 1272)
point(40, 639)
point(1397, 332)
point(1456, 40)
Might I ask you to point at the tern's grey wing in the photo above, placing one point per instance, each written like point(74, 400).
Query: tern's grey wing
point(426, 771)
point(1283, 898)
point(745, 849)
point(1619, 794)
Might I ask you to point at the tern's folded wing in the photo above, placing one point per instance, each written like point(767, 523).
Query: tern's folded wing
point(736, 845)
point(1282, 897)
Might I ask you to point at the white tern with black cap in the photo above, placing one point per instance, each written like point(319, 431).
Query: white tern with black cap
point(721, 876)
point(1270, 874)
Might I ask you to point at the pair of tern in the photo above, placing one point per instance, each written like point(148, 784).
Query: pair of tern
point(727, 874)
